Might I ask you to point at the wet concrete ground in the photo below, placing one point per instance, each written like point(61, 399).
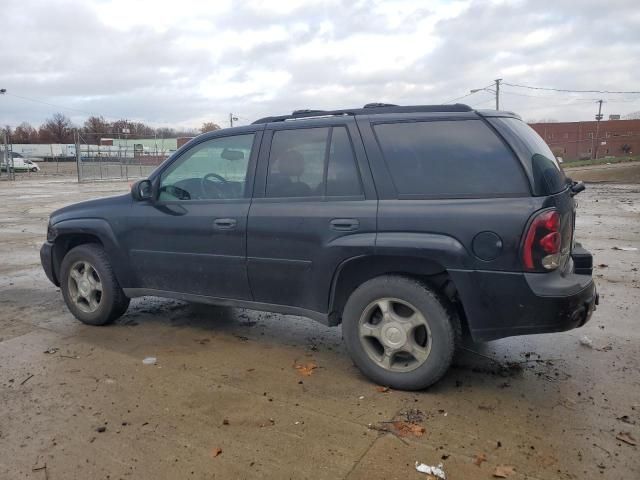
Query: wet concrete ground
point(226, 401)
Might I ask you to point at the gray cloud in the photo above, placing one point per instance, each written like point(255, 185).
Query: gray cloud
point(255, 59)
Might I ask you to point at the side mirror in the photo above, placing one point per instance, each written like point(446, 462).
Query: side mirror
point(142, 190)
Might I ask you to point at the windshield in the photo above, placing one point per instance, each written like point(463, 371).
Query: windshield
point(547, 175)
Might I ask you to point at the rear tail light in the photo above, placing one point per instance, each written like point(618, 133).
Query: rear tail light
point(542, 242)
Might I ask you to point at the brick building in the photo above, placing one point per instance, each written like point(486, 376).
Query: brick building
point(577, 140)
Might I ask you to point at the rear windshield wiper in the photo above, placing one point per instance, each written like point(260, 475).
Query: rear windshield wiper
point(576, 187)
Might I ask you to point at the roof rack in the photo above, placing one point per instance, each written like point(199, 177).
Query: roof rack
point(368, 109)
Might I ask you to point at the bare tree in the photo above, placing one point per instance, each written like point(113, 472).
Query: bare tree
point(25, 133)
point(95, 128)
point(57, 129)
point(120, 127)
point(141, 129)
point(209, 127)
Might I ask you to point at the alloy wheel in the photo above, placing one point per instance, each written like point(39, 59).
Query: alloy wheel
point(85, 286)
point(395, 335)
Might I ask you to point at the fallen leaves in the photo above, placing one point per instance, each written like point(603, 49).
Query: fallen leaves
point(216, 451)
point(408, 425)
point(382, 389)
point(479, 458)
point(503, 471)
point(405, 429)
point(627, 438)
point(307, 369)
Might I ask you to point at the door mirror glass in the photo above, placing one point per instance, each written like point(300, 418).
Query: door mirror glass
point(142, 190)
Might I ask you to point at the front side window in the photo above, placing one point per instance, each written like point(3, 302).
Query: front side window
point(312, 162)
point(214, 169)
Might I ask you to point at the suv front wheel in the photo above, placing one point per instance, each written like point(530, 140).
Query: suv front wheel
point(89, 286)
point(399, 332)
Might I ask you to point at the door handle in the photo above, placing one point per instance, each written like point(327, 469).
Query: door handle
point(225, 223)
point(344, 224)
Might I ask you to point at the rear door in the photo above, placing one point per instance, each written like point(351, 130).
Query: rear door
point(314, 206)
point(450, 176)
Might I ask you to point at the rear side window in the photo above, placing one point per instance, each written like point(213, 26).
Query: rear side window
point(548, 177)
point(312, 162)
point(449, 159)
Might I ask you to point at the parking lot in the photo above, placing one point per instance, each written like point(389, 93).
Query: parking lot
point(244, 394)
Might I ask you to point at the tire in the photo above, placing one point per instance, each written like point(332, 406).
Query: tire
point(436, 337)
point(92, 306)
point(34, 170)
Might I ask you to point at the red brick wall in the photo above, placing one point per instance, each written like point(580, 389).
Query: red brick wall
point(575, 140)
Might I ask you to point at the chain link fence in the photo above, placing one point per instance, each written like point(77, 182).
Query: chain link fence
point(7, 170)
point(121, 158)
point(31, 160)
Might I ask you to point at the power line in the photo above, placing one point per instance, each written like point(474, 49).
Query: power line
point(49, 104)
point(467, 95)
point(475, 105)
point(569, 91)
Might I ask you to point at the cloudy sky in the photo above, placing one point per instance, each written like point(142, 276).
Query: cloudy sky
point(185, 62)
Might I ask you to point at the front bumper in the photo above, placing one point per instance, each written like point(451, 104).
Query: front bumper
point(46, 258)
point(505, 304)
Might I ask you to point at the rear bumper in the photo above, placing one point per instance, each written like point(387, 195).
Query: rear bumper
point(505, 304)
point(46, 258)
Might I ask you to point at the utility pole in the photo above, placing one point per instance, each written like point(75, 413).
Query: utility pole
point(598, 118)
point(232, 118)
point(5, 153)
point(496, 91)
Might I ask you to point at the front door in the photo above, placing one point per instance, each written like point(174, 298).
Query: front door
point(192, 238)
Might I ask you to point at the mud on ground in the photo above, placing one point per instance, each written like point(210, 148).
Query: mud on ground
point(225, 399)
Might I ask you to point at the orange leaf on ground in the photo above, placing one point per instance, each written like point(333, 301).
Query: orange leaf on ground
point(404, 429)
point(503, 471)
point(307, 369)
point(382, 389)
point(216, 451)
point(479, 458)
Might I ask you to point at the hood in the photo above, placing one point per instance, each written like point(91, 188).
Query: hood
point(98, 208)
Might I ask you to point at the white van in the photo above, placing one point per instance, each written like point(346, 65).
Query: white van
point(20, 164)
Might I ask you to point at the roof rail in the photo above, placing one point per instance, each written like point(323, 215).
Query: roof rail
point(369, 109)
point(376, 105)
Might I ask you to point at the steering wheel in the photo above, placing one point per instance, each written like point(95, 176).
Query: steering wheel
point(177, 192)
point(207, 182)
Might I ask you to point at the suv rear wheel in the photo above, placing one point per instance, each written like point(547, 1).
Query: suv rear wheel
point(399, 332)
point(89, 287)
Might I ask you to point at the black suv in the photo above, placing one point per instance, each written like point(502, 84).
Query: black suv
point(407, 225)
